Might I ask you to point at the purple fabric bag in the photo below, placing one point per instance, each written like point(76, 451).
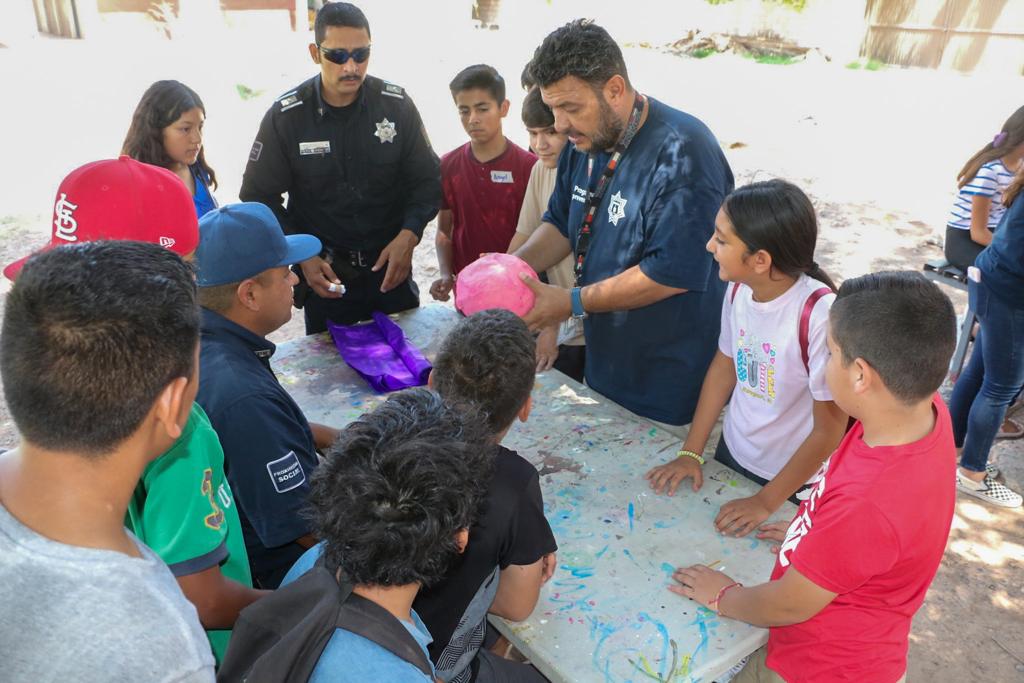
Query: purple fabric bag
point(381, 354)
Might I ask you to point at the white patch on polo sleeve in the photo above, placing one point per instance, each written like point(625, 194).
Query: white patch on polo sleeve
point(286, 473)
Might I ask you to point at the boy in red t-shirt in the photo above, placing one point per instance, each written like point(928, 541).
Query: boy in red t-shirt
point(482, 182)
point(861, 552)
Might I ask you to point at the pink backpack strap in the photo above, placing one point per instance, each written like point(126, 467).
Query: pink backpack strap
point(805, 325)
point(732, 295)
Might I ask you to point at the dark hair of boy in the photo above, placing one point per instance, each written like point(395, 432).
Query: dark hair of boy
point(162, 104)
point(582, 49)
point(479, 77)
point(488, 360)
point(1014, 136)
point(536, 114)
point(81, 373)
point(778, 217)
point(396, 488)
point(902, 325)
point(525, 79)
point(338, 14)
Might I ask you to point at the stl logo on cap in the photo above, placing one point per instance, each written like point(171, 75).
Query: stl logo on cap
point(121, 199)
point(64, 222)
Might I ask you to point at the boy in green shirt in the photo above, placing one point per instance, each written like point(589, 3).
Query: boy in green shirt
point(183, 509)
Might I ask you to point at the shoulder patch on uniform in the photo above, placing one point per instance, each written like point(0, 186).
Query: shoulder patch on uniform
point(289, 102)
point(257, 149)
point(286, 473)
point(392, 90)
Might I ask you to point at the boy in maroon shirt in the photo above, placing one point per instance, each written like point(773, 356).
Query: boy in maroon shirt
point(482, 182)
point(859, 556)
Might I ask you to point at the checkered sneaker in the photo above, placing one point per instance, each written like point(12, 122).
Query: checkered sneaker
point(989, 490)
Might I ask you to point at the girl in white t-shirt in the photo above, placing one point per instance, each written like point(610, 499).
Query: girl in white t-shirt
point(770, 365)
point(978, 206)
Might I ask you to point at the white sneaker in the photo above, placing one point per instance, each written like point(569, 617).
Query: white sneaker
point(989, 490)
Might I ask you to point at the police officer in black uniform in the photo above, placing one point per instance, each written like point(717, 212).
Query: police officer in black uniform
point(351, 152)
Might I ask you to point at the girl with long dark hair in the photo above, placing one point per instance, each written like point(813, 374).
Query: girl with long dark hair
point(771, 358)
point(167, 131)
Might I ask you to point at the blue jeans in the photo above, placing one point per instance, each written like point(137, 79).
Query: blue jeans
point(993, 376)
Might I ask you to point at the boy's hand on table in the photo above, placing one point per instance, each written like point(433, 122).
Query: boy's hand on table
point(774, 531)
point(740, 517)
point(699, 583)
point(547, 348)
point(548, 564)
point(442, 287)
point(672, 474)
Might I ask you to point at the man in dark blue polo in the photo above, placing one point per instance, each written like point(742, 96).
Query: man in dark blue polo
point(652, 179)
point(245, 285)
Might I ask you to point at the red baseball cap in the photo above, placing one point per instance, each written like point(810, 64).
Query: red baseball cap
point(122, 199)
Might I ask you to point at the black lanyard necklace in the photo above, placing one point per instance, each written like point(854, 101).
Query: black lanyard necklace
point(594, 198)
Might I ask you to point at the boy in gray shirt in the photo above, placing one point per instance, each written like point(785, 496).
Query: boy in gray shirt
point(98, 357)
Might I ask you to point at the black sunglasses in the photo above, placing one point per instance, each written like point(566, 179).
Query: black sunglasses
point(341, 55)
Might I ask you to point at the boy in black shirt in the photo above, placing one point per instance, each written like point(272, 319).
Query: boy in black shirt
point(488, 362)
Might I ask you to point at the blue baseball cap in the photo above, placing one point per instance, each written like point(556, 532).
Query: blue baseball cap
point(239, 241)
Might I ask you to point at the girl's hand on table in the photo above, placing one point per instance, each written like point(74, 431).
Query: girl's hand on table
point(670, 475)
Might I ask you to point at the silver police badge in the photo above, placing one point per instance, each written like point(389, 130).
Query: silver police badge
point(386, 131)
point(616, 208)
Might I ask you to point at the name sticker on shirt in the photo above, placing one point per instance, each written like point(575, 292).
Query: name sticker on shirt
point(501, 177)
point(286, 473)
point(321, 147)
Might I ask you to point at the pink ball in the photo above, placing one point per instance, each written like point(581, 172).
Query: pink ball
point(492, 281)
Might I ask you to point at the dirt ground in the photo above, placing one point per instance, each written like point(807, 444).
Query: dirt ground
point(877, 151)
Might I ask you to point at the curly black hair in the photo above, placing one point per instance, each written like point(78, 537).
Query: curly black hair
point(582, 49)
point(397, 486)
point(488, 361)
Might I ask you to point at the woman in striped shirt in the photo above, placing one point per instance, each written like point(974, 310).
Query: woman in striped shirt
point(978, 207)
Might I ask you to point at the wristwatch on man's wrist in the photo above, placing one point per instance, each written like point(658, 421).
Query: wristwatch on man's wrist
point(576, 296)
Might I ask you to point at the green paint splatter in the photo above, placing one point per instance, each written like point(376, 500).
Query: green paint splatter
point(653, 431)
point(680, 668)
point(732, 482)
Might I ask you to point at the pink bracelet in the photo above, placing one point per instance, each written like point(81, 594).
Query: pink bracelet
point(714, 603)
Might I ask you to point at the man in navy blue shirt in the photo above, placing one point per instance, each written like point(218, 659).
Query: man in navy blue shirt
point(647, 289)
point(269, 448)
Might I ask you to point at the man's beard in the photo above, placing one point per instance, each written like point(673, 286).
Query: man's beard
point(609, 128)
